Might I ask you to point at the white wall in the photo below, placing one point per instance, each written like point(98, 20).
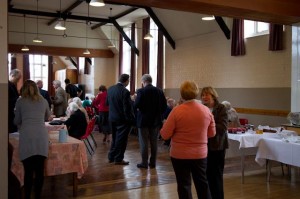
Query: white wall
point(207, 60)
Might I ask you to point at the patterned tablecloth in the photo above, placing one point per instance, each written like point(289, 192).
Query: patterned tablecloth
point(69, 157)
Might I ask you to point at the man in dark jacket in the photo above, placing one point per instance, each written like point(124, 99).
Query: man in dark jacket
point(121, 117)
point(72, 90)
point(43, 92)
point(151, 105)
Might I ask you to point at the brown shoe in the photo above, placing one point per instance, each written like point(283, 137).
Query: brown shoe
point(123, 162)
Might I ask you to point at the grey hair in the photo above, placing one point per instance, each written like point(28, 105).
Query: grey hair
point(57, 82)
point(15, 73)
point(227, 105)
point(73, 107)
point(77, 100)
point(147, 78)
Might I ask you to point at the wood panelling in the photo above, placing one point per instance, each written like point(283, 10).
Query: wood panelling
point(280, 113)
point(282, 12)
point(61, 51)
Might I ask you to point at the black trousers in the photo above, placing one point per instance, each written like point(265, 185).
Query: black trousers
point(184, 169)
point(120, 134)
point(34, 166)
point(215, 169)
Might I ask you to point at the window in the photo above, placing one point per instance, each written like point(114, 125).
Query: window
point(127, 55)
point(255, 28)
point(39, 68)
point(153, 51)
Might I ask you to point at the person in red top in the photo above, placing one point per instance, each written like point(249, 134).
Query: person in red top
point(189, 126)
point(100, 104)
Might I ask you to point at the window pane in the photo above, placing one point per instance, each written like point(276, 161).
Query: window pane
point(248, 28)
point(261, 26)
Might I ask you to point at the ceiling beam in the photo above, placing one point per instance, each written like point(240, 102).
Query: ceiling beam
point(65, 12)
point(61, 51)
point(122, 14)
point(281, 12)
point(51, 14)
point(161, 27)
point(127, 39)
point(223, 26)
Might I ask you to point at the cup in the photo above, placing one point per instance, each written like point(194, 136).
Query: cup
point(258, 131)
point(62, 135)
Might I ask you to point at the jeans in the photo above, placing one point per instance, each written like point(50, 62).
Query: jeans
point(120, 134)
point(184, 169)
point(150, 133)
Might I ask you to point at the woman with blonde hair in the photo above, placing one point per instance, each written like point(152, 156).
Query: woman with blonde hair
point(31, 112)
point(189, 125)
point(216, 145)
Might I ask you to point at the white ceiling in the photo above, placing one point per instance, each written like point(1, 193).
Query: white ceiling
point(179, 24)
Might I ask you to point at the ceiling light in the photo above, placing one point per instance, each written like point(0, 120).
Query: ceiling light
point(148, 36)
point(111, 46)
point(25, 48)
point(97, 3)
point(86, 52)
point(37, 40)
point(60, 26)
point(208, 18)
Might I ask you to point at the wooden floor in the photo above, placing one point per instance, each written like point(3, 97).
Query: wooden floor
point(106, 181)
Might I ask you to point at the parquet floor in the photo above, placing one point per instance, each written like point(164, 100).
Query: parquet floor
point(106, 181)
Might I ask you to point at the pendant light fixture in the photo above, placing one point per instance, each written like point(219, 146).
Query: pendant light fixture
point(112, 45)
point(148, 36)
point(24, 48)
point(97, 3)
point(37, 39)
point(87, 52)
point(208, 18)
point(60, 25)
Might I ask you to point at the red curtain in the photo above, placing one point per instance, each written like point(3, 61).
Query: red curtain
point(160, 60)
point(145, 46)
point(237, 42)
point(26, 69)
point(50, 76)
point(276, 37)
point(133, 62)
point(120, 54)
point(87, 66)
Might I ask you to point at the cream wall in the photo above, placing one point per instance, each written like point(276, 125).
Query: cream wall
point(105, 71)
point(207, 60)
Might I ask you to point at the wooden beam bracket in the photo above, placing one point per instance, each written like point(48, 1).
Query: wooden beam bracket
point(223, 26)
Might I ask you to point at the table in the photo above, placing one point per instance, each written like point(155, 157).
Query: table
point(53, 127)
point(278, 150)
point(292, 128)
point(248, 143)
point(63, 158)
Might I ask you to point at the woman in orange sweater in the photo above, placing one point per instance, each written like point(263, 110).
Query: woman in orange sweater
point(189, 126)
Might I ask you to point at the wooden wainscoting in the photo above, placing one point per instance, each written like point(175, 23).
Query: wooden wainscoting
point(279, 113)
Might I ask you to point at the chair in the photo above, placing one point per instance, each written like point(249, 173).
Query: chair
point(243, 121)
point(90, 112)
point(88, 133)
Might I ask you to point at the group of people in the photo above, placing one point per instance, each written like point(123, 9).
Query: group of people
point(197, 129)
point(27, 113)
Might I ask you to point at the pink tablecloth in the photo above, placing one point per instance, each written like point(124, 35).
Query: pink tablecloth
point(69, 157)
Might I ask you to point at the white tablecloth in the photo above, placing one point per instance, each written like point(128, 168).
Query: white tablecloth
point(248, 140)
point(278, 150)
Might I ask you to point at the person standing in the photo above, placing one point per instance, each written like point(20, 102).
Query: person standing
point(60, 100)
point(216, 145)
point(14, 77)
point(100, 104)
point(72, 90)
point(151, 104)
point(31, 112)
point(189, 126)
point(43, 92)
point(121, 117)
